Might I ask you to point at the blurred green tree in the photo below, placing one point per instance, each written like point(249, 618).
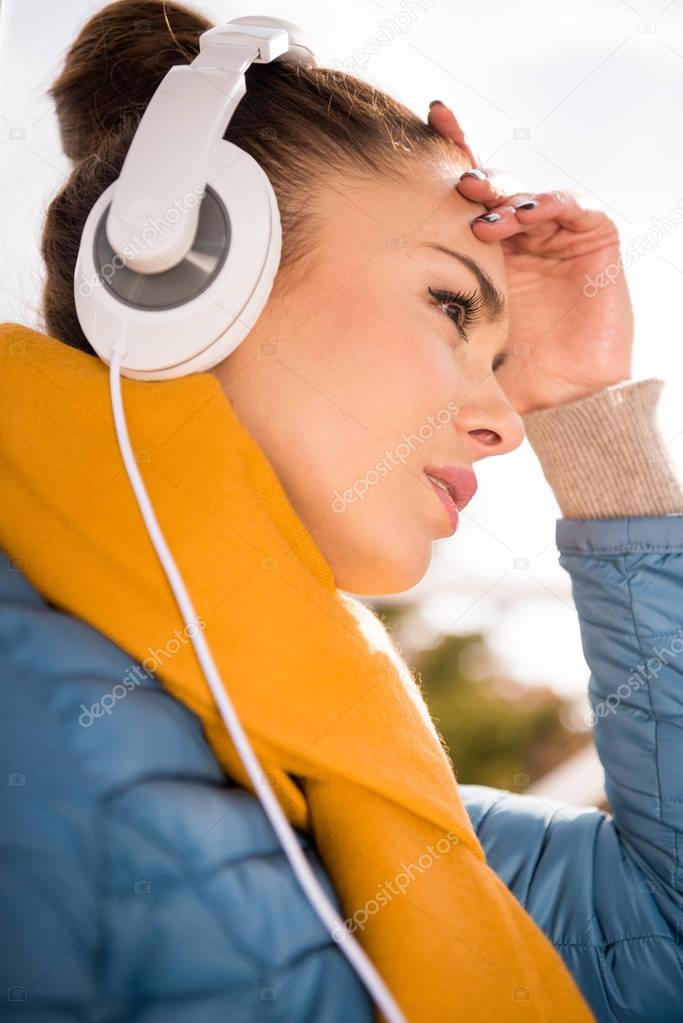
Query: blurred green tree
point(497, 731)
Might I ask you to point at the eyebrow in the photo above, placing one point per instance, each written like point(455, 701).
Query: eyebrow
point(493, 300)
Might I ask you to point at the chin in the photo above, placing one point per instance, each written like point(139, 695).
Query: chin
point(381, 573)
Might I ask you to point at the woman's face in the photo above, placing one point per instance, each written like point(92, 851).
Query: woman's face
point(341, 369)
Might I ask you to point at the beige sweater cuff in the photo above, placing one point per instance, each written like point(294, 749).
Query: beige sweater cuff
point(604, 455)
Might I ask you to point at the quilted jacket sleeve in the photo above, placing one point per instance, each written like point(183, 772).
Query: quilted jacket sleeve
point(606, 887)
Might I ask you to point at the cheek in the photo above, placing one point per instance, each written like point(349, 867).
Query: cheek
point(384, 386)
point(370, 382)
point(388, 371)
point(379, 380)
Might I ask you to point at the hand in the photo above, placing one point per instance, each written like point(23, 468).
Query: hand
point(570, 329)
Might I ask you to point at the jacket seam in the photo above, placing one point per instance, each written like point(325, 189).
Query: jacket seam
point(621, 549)
point(249, 965)
point(602, 945)
point(541, 851)
point(167, 848)
point(488, 811)
point(594, 901)
point(674, 870)
point(631, 606)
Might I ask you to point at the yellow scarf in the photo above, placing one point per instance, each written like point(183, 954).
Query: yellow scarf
point(332, 710)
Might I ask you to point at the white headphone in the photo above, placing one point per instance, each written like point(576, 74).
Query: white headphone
point(163, 291)
point(183, 248)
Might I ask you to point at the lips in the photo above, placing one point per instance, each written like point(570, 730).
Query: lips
point(461, 482)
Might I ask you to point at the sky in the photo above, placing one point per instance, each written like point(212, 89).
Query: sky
point(583, 95)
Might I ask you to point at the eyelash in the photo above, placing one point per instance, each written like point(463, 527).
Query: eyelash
point(471, 302)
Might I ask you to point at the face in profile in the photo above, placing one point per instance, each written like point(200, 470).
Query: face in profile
point(368, 379)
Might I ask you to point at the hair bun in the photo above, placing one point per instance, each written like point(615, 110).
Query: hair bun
point(115, 65)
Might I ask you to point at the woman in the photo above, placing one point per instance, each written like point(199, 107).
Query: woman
point(146, 881)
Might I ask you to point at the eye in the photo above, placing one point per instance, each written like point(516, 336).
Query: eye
point(461, 307)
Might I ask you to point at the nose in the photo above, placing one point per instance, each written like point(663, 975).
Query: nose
point(491, 423)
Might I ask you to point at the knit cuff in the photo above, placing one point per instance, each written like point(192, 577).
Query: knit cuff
point(604, 455)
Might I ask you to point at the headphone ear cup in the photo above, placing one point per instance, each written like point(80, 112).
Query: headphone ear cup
point(188, 318)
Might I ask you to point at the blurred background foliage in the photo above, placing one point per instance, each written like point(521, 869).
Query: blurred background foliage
point(498, 731)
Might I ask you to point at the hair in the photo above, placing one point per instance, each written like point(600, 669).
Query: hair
point(304, 126)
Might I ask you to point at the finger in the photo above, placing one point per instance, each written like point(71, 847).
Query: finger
point(551, 211)
point(487, 185)
point(563, 207)
point(442, 119)
point(497, 224)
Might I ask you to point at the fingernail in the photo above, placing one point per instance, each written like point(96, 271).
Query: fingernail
point(477, 173)
point(435, 101)
point(488, 217)
point(529, 204)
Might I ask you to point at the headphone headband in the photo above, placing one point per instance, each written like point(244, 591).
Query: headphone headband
point(187, 115)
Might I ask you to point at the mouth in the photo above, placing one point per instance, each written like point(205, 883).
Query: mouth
point(455, 487)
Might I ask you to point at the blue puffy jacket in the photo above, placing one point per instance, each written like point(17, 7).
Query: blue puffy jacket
point(138, 884)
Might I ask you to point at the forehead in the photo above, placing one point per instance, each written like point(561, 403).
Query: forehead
point(447, 221)
point(400, 215)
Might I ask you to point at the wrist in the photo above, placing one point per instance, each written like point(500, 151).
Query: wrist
point(604, 456)
point(566, 395)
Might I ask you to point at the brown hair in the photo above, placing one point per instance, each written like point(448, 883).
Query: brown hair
point(303, 126)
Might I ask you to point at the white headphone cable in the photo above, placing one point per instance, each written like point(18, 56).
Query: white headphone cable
point(300, 865)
